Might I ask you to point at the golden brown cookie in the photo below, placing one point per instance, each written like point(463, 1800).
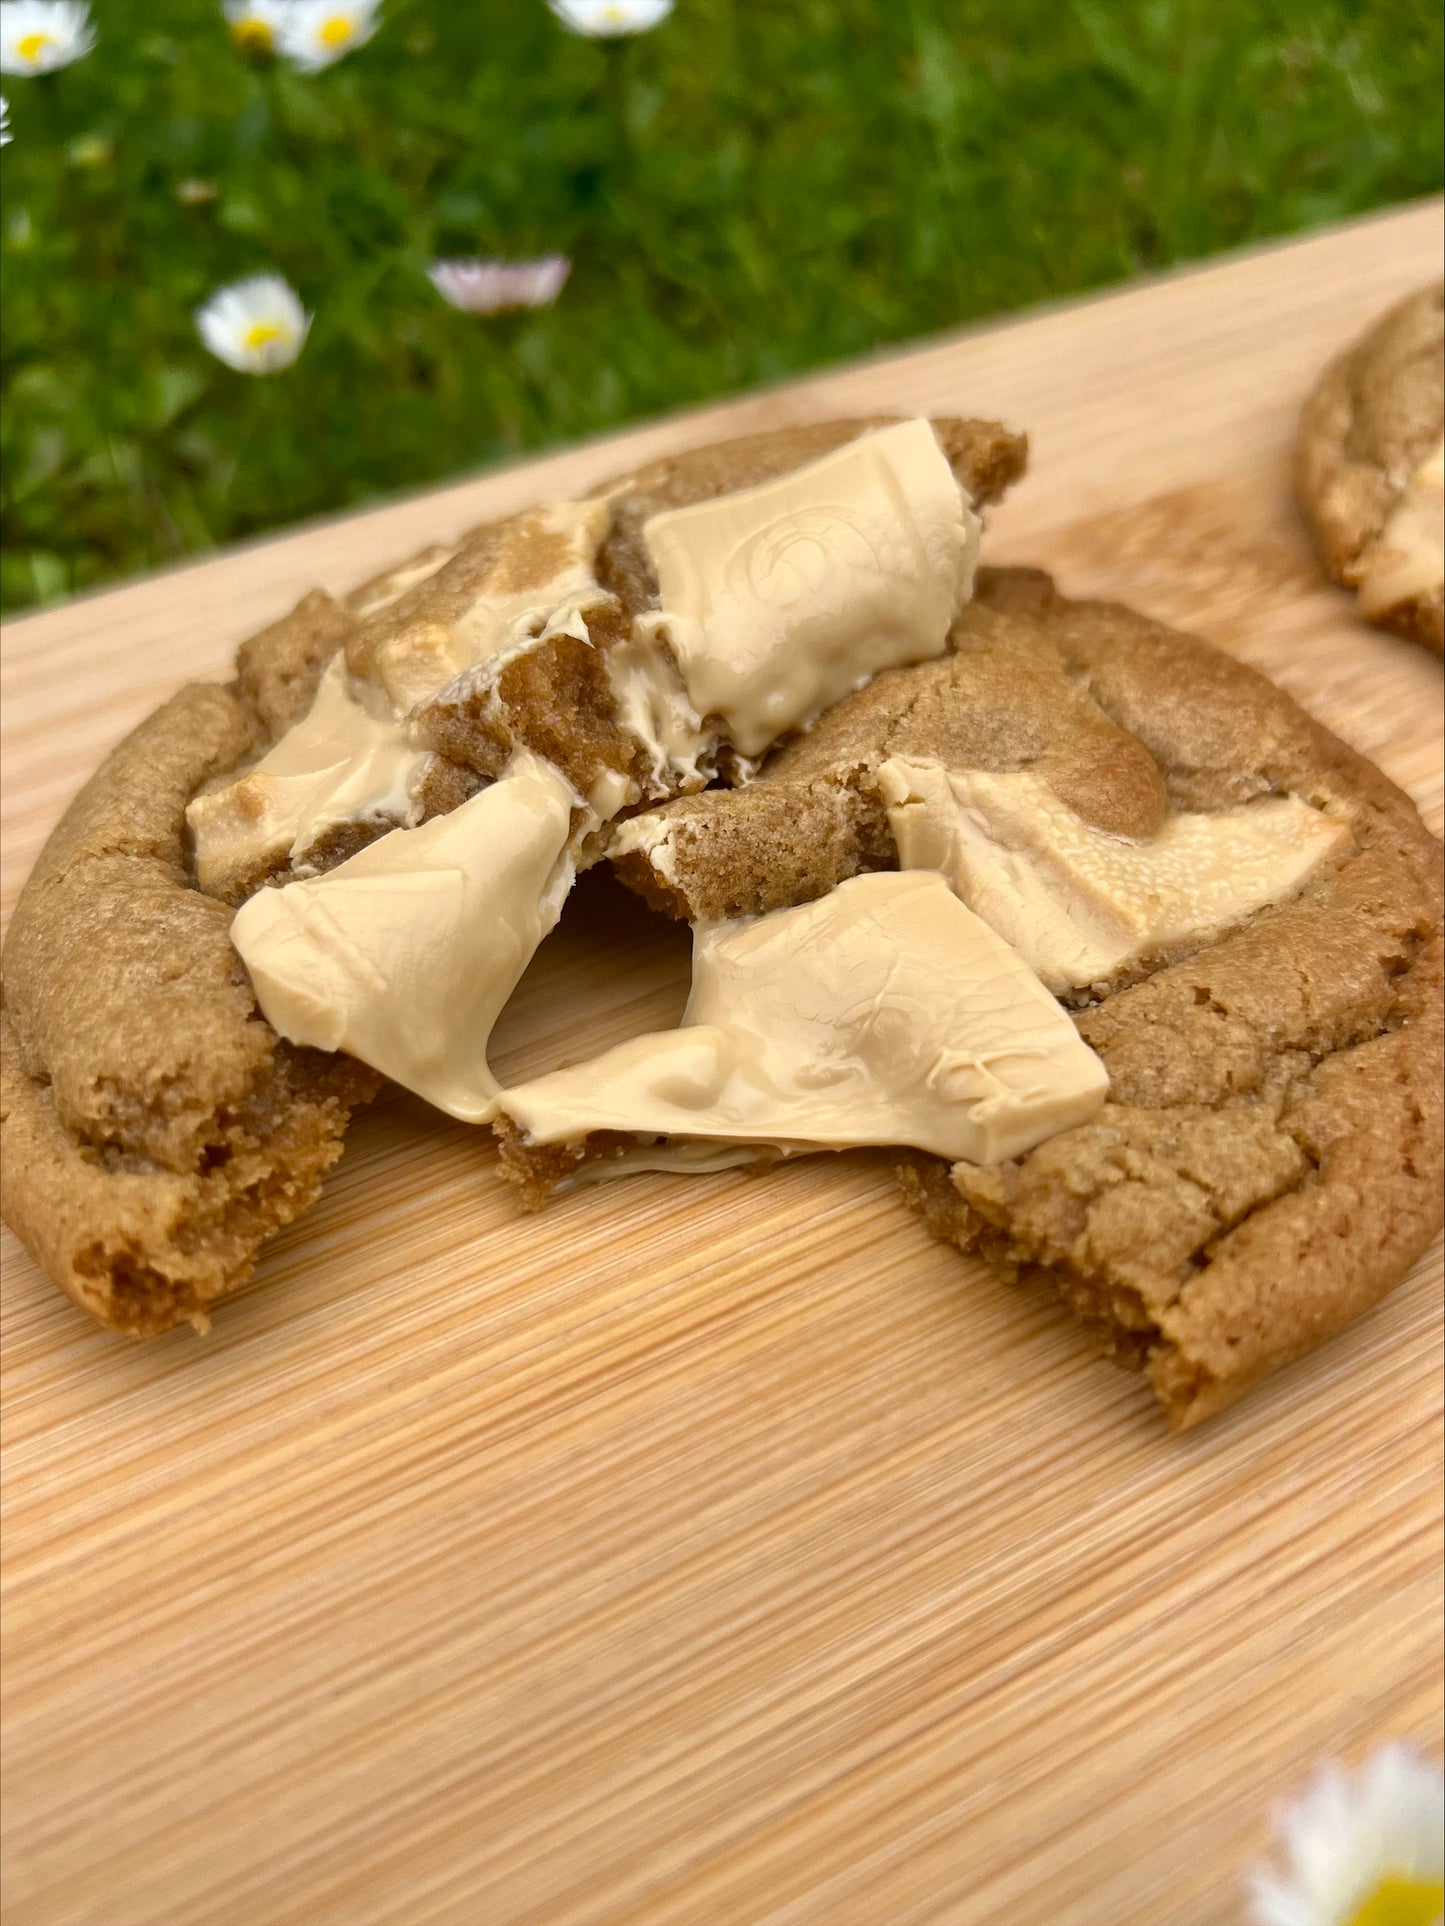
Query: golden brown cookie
point(1268, 1162)
point(1001, 698)
point(156, 1129)
point(555, 699)
point(1368, 468)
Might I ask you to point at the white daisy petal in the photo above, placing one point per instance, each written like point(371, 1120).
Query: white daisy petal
point(1272, 1904)
point(606, 19)
point(1352, 1844)
point(487, 287)
point(257, 326)
point(256, 24)
point(4, 121)
point(37, 36)
point(317, 33)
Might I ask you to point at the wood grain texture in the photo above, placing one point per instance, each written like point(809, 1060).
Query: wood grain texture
point(720, 1551)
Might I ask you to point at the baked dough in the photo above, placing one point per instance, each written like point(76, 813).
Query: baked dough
point(1268, 1161)
point(156, 1130)
point(1368, 468)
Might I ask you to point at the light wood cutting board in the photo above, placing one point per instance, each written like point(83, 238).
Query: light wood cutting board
point(722, 1550)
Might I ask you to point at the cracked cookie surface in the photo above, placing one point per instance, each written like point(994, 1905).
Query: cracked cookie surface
point(1268, 1161)
point(156, 1128)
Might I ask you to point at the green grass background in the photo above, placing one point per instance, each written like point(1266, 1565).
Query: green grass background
point(757, 187)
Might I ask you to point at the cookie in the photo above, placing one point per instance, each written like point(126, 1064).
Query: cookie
point(155, 1132)
point(1267, 1163)
point(156, 1128)
point(815, 815)
point(557, 698)
point(1369, 469)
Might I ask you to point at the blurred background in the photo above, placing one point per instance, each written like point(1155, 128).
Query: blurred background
point(743, 191)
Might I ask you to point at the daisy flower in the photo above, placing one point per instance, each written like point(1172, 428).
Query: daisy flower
point(37, 36)
point(255, 24)
point(4, 121)
point(315, 33)
point(486, 287)
point(606, 19)
point(256, 326)
point(1361, 1850)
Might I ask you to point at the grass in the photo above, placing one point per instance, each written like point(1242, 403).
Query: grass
point(747, 191)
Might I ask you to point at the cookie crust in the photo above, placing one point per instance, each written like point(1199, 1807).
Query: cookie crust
point(1268, 1162)
point(556, 700)
point(1377, 412)
point(1001, 698)
point(156, 1130)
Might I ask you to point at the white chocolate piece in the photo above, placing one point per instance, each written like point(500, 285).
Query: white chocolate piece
point(386, 589)
point(848, 565)
point(779, 599)
point(405, 954)
point(653, 704)
point(1408, 558)
point(1077, 903)
point(651, 836)
point(543, 562)
point(341, 763)
point(883, 1013)
point(350, 758)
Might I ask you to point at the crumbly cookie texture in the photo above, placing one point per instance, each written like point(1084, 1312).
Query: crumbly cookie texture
point(558, 697)
point(278, 673)
point(156, 1129)
point(817, 814)
point(1268, 1162)
point(1367, 468)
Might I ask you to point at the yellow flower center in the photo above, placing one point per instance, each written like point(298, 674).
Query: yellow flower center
point(32, 45)
point(261, 333)
point(337, 30)
point(615, 16)
point(252, 36)
point(1403, 1902)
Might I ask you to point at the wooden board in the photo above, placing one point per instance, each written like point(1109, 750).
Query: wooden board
point(725, 1550)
